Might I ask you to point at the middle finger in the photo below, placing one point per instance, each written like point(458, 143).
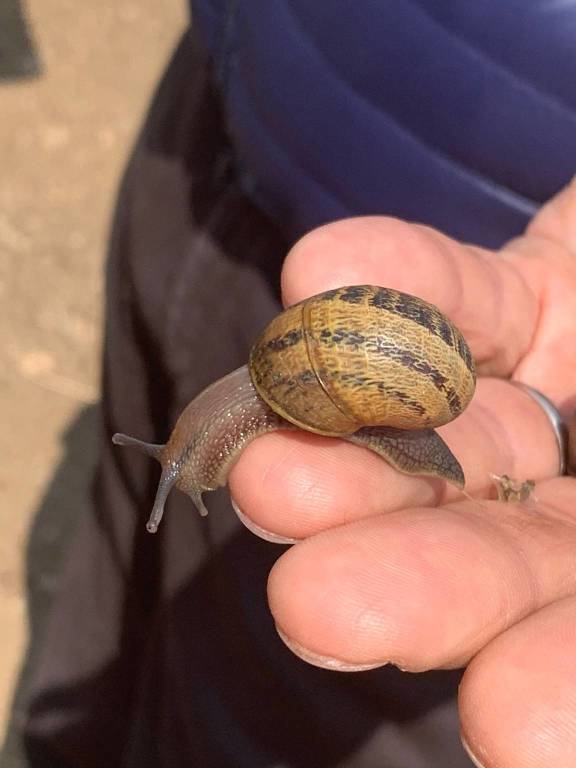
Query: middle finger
point(295, 485)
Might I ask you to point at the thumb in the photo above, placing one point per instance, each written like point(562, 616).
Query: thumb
point(556, 220)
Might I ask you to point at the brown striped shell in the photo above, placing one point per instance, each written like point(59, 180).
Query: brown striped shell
point(363, 355)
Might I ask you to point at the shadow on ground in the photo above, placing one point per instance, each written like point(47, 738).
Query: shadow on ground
point(18, 57)
point(52, 527)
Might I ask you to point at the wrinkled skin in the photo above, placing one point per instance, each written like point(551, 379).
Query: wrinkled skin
point(391, 568)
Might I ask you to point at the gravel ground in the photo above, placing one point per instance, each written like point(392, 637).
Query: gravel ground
point(64, 138)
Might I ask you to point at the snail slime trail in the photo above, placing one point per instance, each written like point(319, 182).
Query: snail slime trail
point(370, 365)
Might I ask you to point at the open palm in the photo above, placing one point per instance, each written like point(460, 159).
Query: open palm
point(396, 569)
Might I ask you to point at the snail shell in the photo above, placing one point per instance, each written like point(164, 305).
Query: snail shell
point(377, 367)
point(363, 355)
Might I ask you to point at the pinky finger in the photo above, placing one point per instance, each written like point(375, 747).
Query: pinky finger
point(518, 696)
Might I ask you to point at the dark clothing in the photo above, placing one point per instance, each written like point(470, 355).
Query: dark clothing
point(161, 650)
point(457, 113)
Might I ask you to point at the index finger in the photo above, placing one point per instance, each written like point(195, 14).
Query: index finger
point(485, 296)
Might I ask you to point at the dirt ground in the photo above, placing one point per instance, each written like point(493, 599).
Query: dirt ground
point(64, 138)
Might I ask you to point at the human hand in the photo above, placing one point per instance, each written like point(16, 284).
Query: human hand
point(403, 570)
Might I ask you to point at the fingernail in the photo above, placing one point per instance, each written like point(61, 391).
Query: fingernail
point(325, 662)
point(471, 754)
point(262, 533)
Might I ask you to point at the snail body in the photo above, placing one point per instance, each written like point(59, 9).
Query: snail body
point(371, 365)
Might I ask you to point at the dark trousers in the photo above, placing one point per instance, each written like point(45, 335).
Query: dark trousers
point(160, 650)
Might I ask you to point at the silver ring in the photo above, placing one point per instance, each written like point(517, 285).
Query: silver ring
point(555, 421)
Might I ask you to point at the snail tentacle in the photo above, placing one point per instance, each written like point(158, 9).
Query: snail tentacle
point(168, 479)
point(150, 449)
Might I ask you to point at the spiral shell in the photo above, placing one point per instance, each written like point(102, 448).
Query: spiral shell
point(363, 355)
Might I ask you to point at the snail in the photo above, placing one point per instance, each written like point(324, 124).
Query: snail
point(371, 365)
